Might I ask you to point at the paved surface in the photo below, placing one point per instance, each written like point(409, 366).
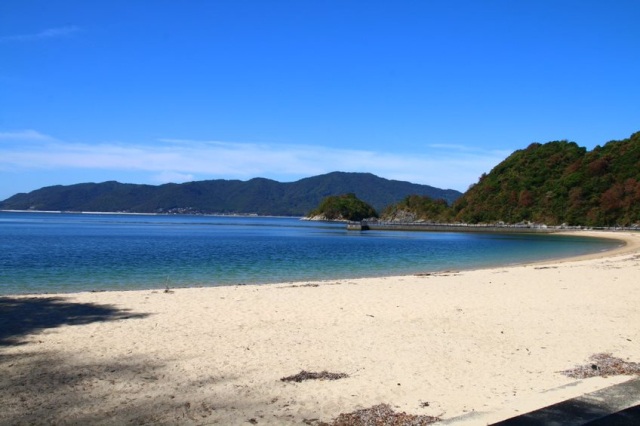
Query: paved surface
point(617, 405)
point(628, 417)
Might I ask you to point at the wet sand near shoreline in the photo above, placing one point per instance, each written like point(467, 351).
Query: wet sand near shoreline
point(489, 341)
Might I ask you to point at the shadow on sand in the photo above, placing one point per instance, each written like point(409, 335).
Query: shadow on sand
point(21, 316)
point(43, 387)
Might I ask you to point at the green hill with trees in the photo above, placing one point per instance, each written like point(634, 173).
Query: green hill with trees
point(343, 207)
point(414, 208)
point(553, 183)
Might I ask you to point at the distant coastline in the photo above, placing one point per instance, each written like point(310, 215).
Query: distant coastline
point(377, 225)
point(144, 214)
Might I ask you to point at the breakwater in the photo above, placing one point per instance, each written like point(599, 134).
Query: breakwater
point(445, 227)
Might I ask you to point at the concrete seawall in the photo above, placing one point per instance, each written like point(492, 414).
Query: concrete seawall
point(424, 227)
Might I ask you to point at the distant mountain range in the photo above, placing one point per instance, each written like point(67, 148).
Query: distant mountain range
point(553, 183)
point(256, 196)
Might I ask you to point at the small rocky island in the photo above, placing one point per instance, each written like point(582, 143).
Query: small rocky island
point(342, 208)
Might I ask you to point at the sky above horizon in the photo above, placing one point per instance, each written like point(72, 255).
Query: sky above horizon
point(431, 92)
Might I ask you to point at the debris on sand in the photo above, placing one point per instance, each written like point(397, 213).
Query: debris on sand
point(382, 415)
point(604, 365)
point(310, 375)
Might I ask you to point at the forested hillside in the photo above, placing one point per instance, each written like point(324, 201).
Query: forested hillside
point(553, 183)
point(256, 196)
point(560, 182)
point(345, 207)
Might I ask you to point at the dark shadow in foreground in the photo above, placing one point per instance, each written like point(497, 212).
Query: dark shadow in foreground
point(45, 388)
point(20, 316)
point(613, 405)
point(628, 417)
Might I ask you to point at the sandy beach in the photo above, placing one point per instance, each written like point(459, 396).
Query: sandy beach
point(492, 342)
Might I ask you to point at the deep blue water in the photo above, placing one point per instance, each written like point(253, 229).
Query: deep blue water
point(48, 252)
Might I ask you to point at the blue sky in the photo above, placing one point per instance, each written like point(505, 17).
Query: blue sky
point(433, 92)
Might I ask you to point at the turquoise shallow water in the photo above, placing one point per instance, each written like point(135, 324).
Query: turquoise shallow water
point(49, 252)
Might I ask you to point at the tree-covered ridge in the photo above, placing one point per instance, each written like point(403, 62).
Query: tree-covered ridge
point(526, 186)
point(343, 207)
point(418, 208)
point(560, 182)
point(553, 183)
point(256, 196)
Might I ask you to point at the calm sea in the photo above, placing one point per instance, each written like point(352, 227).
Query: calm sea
point(53, 252)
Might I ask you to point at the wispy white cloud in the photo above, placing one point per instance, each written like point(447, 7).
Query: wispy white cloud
point(24, 135)
point(450, 146)
point(174, 177)
point(42, 35)
point(175, 160)
point(466, 148)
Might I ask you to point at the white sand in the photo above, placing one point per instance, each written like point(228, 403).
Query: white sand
point(491, 341)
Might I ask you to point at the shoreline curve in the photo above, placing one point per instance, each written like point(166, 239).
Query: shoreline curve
point(489, 342)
